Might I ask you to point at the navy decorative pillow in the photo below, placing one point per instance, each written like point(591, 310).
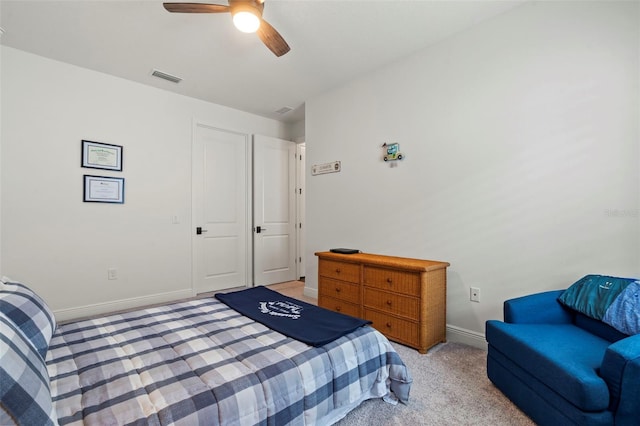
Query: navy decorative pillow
point(29, 313)
point(612, 300)
point(25, 396)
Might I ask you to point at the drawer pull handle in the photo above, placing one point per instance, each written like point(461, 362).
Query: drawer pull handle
point(338, 308)
point(388, 302)
point(337, 270)
point(389, 280)
point(337, 290)
point(388, 325)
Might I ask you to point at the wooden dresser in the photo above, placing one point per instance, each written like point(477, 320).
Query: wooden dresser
point(404, 298)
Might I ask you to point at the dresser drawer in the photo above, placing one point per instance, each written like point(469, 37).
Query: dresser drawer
point(338, 305)
point(339, 290)
point(408, 307)
point(394, 328)
point(339, 270)
point(396, 281)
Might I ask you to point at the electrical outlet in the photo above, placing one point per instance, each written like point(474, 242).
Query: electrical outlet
point(474, 294)
point(112, 273)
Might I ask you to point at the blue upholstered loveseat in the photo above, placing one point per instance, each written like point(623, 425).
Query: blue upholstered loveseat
point(562, 367)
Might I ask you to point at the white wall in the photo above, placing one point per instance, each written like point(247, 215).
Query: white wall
point(63, 247)
point(296, 131)
point(1, 32)
point(522, 156)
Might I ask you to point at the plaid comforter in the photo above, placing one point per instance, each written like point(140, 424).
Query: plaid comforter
point(200, 362)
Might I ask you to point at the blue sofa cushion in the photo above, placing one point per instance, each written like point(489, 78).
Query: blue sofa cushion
point(598, 328)
point(620, 369)
point(563, 357)
point(535, 399)
point(539, 308)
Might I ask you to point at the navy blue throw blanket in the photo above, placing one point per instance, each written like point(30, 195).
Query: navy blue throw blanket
point(299, 320)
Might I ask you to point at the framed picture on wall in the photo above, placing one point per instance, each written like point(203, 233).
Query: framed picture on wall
point(98, 155)
point(103, 189)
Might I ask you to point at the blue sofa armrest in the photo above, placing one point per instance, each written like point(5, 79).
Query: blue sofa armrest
point(621, 371)
point(538, 308)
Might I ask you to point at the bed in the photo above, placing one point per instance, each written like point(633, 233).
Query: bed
point(186, 363)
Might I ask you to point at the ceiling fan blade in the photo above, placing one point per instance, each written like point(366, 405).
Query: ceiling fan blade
point(196, 8)
point(272, 39)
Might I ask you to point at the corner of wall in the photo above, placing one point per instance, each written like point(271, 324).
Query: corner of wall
point(295, 131)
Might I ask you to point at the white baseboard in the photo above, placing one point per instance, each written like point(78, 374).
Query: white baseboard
point(468, 337)
point(119, 305)
point(310, 292)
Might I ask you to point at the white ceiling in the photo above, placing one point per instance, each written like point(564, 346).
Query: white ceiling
point(332, 42)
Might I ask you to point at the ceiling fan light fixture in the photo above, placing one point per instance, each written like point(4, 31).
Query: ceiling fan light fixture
point(246, 18)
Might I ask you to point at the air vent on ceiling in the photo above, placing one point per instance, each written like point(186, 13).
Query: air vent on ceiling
point(284, 110)
point(165, 76)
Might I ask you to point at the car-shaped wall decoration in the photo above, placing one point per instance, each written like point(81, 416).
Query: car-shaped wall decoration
point(392, 151)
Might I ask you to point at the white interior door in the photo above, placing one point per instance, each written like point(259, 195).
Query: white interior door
point(274, 210)
point(221, 209)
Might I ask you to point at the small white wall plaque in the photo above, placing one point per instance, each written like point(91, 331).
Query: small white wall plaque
point(321, 169)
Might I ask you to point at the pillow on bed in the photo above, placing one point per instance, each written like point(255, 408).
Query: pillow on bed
point(29, 313)
point(25, 396)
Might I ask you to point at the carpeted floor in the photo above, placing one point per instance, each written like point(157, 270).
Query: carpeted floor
point(450, 387)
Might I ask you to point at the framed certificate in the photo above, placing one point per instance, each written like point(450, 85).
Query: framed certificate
point(97, 155)
point(103, 189)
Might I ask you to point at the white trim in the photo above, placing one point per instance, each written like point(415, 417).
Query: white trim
point(301, 193)
point(468, 337)
point(249, 142)
point(310, 292)
point(118, 305)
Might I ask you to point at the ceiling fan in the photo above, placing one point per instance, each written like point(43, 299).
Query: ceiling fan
point(247, 17)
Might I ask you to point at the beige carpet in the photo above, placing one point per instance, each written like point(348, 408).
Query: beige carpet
point(450, 387)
